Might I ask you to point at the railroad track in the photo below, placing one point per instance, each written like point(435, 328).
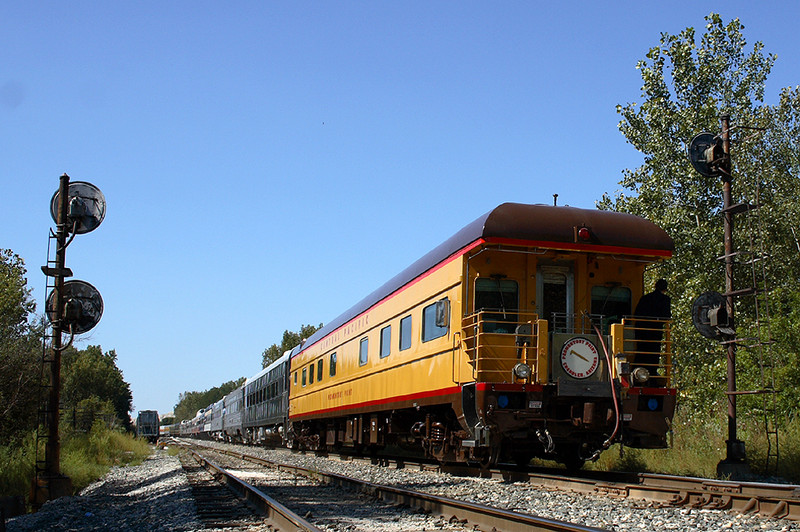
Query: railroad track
point(452, 514)
point(780, 501)
point(763, 499)
point(224, 501)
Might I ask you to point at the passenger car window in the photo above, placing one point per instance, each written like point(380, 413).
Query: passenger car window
point(405, 333)
point(304, 376)
point(386, 341)
point(611, 303)
point(497, 295)
point(319, 370)
point(333, 364)
point(430, 329)
point(363, 351)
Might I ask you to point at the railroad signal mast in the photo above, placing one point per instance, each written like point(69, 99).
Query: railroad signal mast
point(72, 307)
point(713, 313)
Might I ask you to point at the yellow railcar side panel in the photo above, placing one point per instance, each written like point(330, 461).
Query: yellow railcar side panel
point(423, 369)
point(439, 365)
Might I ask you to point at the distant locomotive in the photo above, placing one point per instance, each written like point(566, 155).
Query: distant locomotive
point(511, 340)
point(147, 425)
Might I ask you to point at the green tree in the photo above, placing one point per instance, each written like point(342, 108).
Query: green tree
point(686, 87)
point(290, 339)
point(92, 374)
point(20, 350)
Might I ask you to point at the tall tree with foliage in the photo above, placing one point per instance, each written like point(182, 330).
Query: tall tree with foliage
point(20, 350)
point(290, 339)
point(91, 379)
point(687, 86)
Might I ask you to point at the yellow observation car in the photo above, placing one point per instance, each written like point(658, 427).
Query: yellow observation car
point(512, 339)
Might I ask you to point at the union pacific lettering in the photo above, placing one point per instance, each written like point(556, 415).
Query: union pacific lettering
point(352, 328)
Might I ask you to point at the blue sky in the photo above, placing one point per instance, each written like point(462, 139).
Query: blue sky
point(268, 164)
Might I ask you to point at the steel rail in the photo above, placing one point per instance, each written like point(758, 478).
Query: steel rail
point(781, 501)
point(480, 516)
point(276, 515)
point(771, 500)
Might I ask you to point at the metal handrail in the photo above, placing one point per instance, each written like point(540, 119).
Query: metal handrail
point(495, 341)
point(493, 345)
point(647, 342)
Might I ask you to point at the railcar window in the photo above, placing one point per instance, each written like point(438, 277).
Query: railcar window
point(305, 370)
point(430, 330)
point(333, 364)
point(611, 303)
point(319, 370)
point(295, 378)
point(497, 295)
point(405, 333)
point(311, 374)
point(386, 341)
point(363, 351)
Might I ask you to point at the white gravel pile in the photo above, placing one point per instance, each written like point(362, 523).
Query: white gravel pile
point(152, 496)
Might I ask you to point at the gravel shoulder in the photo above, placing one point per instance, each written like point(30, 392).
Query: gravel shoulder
point(154, 495)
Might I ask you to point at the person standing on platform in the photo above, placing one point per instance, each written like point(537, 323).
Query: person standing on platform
point(656, 305)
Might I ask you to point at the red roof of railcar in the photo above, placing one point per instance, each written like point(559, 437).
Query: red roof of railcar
point(533, 225)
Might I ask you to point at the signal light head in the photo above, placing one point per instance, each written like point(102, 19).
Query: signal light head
point(584, 234)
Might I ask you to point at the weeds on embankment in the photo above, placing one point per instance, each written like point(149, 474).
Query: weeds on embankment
point(698, 444)
point(85, 457)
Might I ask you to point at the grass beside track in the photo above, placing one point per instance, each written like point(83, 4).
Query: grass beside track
point(85, 457)
point(698, 444)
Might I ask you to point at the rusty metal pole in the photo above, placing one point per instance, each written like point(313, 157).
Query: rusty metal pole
point(57, 485)
point(734, 464)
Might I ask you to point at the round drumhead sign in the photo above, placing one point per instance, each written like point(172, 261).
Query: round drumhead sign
point(579, 358)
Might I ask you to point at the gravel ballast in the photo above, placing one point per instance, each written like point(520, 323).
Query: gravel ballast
point(156, 496)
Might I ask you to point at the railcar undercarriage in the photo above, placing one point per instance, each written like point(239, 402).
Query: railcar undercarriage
point(567, 431)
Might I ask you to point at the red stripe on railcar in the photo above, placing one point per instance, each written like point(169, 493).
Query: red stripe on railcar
point(587, 248)
point(505, 387)
point(388, 400)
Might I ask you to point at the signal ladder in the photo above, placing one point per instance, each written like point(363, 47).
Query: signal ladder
point(45, 384)
point(759, 341)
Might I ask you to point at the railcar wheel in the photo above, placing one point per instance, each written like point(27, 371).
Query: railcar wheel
point(486, 458)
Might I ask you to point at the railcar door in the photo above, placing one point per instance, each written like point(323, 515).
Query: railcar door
point(555, 296)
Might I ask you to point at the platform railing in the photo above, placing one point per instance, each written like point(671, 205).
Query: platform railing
point(495, 341)
point(647, 343)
